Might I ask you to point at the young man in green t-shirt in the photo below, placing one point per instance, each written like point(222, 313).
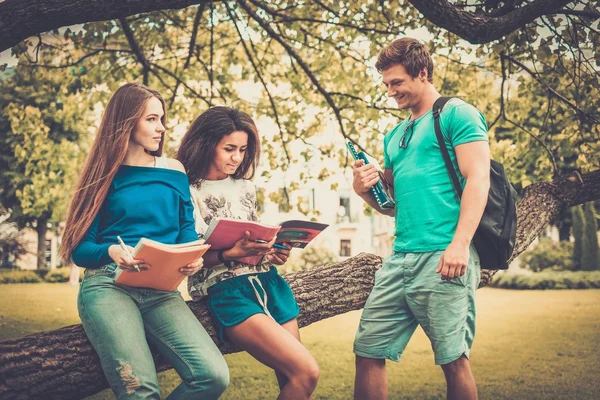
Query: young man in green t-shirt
point(432, 275)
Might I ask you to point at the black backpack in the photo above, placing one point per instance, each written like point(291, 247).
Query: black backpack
point(495, 236)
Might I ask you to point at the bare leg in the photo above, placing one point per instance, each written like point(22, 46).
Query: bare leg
point(274, 346)
point(292, 328)
point(459, 380)
point(370, 382)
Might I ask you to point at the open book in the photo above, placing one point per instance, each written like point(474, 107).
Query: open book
point(381, 190)
point(164, 260)
point(222, 233)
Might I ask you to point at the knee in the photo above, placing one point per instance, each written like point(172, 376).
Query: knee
point(307, 376)
point(313, 373)
point(219, 379)
point(213, 381)
point(456, 366)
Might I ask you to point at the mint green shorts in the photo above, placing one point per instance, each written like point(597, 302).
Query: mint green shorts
point(407, 293)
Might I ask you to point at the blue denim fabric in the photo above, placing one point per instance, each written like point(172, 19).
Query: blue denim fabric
point(121, 322)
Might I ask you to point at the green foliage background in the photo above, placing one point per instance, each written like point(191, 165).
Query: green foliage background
point(306, 71)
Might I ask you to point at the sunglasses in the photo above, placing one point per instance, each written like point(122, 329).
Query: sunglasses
point(408, 133)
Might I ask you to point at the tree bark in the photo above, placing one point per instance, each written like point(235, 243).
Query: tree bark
point(41, 229)
point(20, 20)
point(480, 27)
point(62, 364)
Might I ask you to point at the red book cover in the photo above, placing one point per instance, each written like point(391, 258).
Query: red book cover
point(222, 233)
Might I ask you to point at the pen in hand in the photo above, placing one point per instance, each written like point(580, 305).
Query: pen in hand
point(276, 245)
point(126, 250)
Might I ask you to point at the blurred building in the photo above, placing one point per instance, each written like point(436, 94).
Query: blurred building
point(350, 231)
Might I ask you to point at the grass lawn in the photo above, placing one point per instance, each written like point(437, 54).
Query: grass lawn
point(529, 345)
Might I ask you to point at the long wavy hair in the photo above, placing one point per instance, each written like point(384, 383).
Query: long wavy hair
point(123, 111)
point(197, 149)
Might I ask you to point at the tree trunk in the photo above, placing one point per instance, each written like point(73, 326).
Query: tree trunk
point(564, 231)
point(62, 364)
point(41, 229)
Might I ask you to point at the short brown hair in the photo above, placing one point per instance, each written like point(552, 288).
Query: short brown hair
point(408, 52)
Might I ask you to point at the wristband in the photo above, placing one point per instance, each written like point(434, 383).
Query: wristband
point(223, 260)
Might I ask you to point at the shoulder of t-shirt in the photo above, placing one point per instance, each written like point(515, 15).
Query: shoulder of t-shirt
point(243, 184)
point(175, 164)
point(465, 120)
point(248, 184)
point(456, 105)
point(194, 191)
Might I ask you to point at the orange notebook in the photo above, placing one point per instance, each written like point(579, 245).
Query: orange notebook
point(164, 260)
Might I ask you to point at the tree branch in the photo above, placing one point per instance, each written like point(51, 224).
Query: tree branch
point(262, 81)
point(300, 62)
point(211, 75)
point(80, 60)
point(191, 46)
point(139, 54)
point(592, 14)
point(181, 82)
point(559, 96)
point(20, 20)
point(479, 27)
point(286, 18)
point(330, 10)
point(150, 67)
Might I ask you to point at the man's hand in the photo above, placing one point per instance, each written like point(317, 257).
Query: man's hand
point(454, 261)
point(365, 177)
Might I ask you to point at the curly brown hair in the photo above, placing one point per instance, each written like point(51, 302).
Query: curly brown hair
point(197, 149)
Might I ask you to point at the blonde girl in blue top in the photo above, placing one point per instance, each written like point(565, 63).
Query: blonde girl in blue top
point(127, 189)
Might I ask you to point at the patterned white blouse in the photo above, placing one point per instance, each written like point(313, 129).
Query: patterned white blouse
point(226, 198)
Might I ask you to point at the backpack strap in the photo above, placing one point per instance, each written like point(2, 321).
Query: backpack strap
point(438, 106)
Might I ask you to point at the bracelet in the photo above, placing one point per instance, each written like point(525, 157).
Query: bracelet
point(223, 260)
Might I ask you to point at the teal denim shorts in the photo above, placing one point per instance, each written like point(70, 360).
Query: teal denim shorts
point(234, 300)
point(408, 293)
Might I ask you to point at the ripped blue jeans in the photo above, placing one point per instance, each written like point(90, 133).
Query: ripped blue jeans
point(121, 322)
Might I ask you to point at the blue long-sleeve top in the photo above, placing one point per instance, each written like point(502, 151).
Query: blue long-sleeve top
point(154, 203)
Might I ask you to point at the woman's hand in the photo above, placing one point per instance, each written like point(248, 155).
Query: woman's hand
point(193, 267)
point(246, 247)
point(124, 261)
point(279, 256)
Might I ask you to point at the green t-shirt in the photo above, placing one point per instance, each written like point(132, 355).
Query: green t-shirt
point(427, 208)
